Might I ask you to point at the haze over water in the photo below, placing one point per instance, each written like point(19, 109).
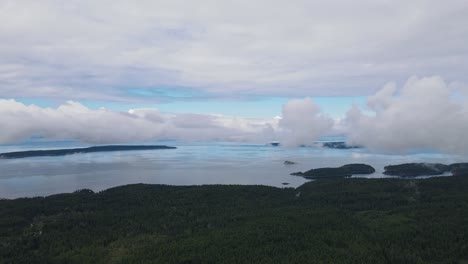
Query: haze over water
point(189, 164)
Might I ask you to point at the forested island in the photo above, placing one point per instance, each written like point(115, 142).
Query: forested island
point(63, 152)
point(324, 221)
point(405, 170)
point(347, 170)
point(425, 169)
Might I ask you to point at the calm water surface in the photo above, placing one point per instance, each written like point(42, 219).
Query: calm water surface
point(189, 164)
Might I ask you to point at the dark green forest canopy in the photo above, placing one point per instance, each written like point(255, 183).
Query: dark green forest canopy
point(332, 221)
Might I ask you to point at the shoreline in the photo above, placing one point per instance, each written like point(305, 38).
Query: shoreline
point(284, 186)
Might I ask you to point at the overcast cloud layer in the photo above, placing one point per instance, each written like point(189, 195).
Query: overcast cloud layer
point(97, 50)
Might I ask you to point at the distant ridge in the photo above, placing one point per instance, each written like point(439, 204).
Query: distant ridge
point(63, 152)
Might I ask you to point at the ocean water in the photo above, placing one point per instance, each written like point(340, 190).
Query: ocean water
point(189, 164)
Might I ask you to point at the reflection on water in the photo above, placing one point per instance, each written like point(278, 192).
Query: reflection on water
point(190, 164)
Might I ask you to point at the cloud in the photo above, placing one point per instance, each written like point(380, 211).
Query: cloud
point(73, 121)
point(302, 123)
point(424, 114)
point(95, 50)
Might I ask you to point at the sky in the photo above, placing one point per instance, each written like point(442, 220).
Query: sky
point(389, 75)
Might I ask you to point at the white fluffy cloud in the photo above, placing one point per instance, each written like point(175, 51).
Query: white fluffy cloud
point(77, 122)
point(302, 123)
point(95, 49)
point(424, 114)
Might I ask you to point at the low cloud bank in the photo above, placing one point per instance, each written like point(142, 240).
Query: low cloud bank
point(75, 121)
point(423, 115)
point(301, 124)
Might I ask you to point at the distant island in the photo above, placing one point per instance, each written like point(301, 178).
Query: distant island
point(332, 145)
point(63, 152)
point(405, 170)
point(425, 169)
point(340, 172)
point(338, 145)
